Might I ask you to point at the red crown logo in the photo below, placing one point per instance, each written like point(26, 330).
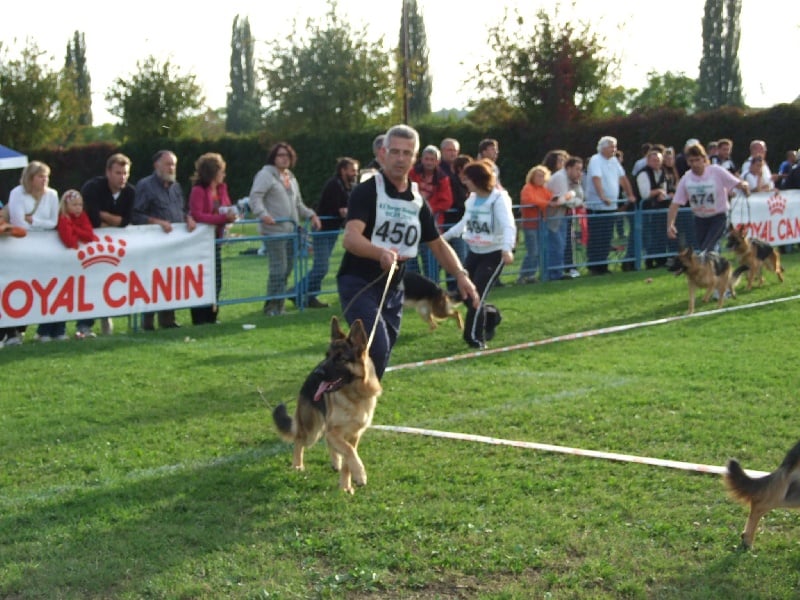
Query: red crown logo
point(102, 251)
point(776, 204)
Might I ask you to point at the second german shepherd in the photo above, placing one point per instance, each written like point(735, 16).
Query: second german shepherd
point(779, 489)
point(338, 400)
point(707, 270)
point(753, 255)
point(431, 301)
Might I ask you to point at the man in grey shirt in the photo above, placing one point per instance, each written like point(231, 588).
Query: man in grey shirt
point(159, 201)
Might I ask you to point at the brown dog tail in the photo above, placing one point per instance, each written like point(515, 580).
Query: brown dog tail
point(283, 422)
point(740, 485)
point(745, 488)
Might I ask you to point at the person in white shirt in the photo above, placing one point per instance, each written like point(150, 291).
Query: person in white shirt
point(33, 205)
point(489, 230)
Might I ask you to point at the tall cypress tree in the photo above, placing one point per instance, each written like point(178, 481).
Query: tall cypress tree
point(244, 107)
point(75, 67)
point(414, 50)
point(720, 80)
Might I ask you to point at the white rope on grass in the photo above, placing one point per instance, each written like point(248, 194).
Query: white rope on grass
point(644, 460)
point(585, 334)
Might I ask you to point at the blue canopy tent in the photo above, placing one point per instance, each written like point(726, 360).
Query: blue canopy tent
point(11, 159)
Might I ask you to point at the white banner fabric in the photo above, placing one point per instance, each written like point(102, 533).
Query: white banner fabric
point(134, 269)
point(773, 217)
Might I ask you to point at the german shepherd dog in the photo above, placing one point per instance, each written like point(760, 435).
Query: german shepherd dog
point(707, 270)
point(779, 489)
point(753, 255)
point(338, 400)
point(431, 301)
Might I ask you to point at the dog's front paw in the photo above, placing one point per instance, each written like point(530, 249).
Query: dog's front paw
point(360, 478)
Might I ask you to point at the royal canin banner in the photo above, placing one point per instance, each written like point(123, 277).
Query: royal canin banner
point(128, 270)
point(773, 217)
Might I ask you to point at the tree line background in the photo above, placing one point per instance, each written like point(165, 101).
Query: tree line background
point(329, 90)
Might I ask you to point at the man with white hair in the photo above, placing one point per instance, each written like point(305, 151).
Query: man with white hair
point(604, 177)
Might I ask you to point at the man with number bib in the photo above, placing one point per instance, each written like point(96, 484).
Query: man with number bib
point(386, 220)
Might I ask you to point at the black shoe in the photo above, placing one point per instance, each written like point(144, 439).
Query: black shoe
point(476, 344)
point(493, 319)
point(315, 303)
point(172, 325)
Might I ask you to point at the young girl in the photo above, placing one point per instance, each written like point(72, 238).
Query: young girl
point(73, 227)
point(488, 229)
point(73, 222)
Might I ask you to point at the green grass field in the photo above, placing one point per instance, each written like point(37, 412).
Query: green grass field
point(145, 465)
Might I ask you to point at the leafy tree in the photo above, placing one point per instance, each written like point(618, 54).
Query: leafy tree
point(75, 68)
point(720, 79)
point(668, 90)
point(335, 80)
point(412, 53)
point(554, 71)
point(209, 125)
point(36, 107)
point(244, 105)
point(155, 101)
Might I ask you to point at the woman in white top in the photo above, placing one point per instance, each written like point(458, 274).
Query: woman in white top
point(32, 204)
point(490, 233)
point(754, 176)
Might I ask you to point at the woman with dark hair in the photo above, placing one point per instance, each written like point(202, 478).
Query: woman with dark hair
point(488, 229)
point(210, 203)
point(332, 209)
point(276, 201)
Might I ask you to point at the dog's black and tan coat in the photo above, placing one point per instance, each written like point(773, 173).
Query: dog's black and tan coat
point(429, 299)
point(753, 255)
point(337, 400)
point(708, 271)
point(779, 489)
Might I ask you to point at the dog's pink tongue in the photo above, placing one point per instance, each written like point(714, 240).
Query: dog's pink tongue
point(323, 387)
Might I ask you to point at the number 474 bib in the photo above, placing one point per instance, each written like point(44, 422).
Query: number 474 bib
point(397, 226)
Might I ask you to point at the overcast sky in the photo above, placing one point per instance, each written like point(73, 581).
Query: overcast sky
point(647, 35)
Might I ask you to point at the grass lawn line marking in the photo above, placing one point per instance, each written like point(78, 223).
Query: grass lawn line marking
point(584, 334)
point(644, 460)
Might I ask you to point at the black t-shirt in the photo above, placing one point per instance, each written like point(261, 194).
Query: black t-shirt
point(361, 207)
point(97, 196)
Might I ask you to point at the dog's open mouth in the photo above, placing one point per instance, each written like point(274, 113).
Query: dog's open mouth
point(327, 386)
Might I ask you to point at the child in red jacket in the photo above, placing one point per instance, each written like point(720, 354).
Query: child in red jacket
point(73, 222)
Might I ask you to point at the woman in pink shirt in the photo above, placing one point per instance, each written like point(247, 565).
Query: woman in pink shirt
point(209, 203)
point(705, 188)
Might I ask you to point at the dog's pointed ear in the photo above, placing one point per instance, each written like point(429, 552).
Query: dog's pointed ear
point(336, 331)
point(358, 335)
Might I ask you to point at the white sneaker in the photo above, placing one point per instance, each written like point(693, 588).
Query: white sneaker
point(13, 341)
point(574, 273)
point(43, 338)
point(61, 337)
point(84, 332)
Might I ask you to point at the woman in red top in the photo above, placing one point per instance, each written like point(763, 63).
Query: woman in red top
point(209, 203)
point(534, 199)
point(434, 186)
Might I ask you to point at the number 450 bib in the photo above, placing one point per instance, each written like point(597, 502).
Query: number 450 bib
point(397, 226)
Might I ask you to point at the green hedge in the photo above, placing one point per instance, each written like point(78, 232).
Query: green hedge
point(520, 147)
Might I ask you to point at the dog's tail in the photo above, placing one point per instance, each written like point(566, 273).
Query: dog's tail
point(283, 422)
point(745, 488)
